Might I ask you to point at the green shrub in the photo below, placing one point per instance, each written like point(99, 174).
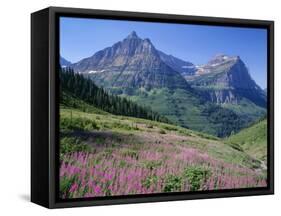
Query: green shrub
point(236, 146)
point(172, 183)
point(108, 152)
point(152, 164)
point(77, 123)
point(196, 176)
point(254, 164)
point(119, 125)
point(65, 184)
point(130, 153)
point(170, 128)
point(71, 144)
point(122, 164)
point(185, 132)
point(99, 140)
point(162, 131)
point(207, 136)
point(149, 181)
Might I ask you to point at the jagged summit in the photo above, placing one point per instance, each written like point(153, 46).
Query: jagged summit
point(147, 40)
point(131, 63)
point(132, 35)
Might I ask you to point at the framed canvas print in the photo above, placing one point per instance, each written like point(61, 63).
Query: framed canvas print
point(138, 107)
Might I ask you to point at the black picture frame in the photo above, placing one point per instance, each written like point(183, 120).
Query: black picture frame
point(45, 106)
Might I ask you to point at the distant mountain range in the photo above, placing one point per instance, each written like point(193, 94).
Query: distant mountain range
point(193, 96)
point(64, 62)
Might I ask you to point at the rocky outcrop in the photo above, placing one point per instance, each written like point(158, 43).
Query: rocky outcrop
point(223, 96)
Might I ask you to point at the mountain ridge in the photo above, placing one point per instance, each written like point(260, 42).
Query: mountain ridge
point(64, 62)
point(132, 62)
point(183, 67)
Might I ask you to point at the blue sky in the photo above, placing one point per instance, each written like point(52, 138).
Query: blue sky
point(81, 37)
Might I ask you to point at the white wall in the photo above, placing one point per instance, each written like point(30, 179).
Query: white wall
point(15, 106)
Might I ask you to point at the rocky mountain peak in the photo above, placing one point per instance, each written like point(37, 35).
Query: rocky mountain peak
point(131, 63)
point(147, 40)
point(132, 35)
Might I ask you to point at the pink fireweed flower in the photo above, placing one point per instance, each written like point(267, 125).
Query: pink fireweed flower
point(132, 176)
point(97, 189)
point(73, 188)
point(90, 184)
point(108, 177)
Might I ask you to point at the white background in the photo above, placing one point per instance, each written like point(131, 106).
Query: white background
point(15, 106)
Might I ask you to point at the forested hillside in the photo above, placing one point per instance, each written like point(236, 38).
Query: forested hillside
point(85, 89)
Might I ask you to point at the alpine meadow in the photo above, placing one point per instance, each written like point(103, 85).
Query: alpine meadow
point(136, 120)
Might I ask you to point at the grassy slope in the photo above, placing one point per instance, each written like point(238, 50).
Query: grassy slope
point(253, 140)
point(103, 154)
point(129, 126)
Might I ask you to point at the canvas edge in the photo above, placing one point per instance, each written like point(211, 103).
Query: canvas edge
point(53, 11)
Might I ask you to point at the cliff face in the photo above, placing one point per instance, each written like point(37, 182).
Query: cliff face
point(223, 96)
point(226, 79)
